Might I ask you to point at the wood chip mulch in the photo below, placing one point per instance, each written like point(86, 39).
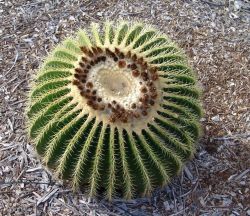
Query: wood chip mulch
point(215, 36)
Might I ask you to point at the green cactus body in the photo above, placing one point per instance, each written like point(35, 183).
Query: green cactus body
point(115, 110)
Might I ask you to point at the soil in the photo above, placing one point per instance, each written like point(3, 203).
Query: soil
point(216, 37)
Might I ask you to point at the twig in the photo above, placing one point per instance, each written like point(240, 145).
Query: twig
point(212, 3)
point(175, 206)
point(47, 196)
point(14, 89)
point(242, 174)
point(14, 63)
point(85, 14)
point(233, 137)
point(179, 212)
point(70, 207)
point(190, 191)
point(27, 182)
point(125, 211)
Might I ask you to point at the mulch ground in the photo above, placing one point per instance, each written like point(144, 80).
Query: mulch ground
point(216, 37)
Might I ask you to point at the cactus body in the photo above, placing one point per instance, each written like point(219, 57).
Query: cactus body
point(115, 110)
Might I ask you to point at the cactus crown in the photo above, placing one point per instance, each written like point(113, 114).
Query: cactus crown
point(115, 110)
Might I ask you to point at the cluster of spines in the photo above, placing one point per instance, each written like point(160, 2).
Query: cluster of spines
point(63, 134)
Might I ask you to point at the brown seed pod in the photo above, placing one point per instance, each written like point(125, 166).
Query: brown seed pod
point(84, 49)
point(99, 49)
point(136, 114)
point(118, 114)
point(77, 76)
point(112, 118)
point(144, 98)
point(146, 106)
point(109, 52)
point(117, 51)
point(118, 106)
point(140, 61)
point(121, 55)
point(95, 106)
point(152, 88)
point(149, 83)
point(151, 102)
point(84, 59)
point(133, 66)
point(144, 66)
point(134, 57)
point(154, 95)
point(121, 63)
point(135, 73)
point(154, 77)
point(144, 112)
point(86, 71)
point(83, 76)
point(90, 102)
point(98, 59)
point(102, 107)
point(128, 55)
point(76, 82)
point(95, 51)
point(130, 113)
point(153, 70)
point(90, 54)
point(144, 89)
point(104, 58)
point(133, 106)
point(144, 76)
point(82, 93)
point(82, 65)
point(115, 59)
point(78, 70)
point(124, 119)
point(89, 85)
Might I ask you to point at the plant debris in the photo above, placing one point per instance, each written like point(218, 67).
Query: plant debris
point(216, 37)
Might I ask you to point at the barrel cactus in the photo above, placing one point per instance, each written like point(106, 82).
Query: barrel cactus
point(115, 110)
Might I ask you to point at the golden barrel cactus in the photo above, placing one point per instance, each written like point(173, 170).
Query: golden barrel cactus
point(115, 110)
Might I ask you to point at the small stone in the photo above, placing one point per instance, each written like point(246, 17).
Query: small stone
point(248, 212)
point(216, 118)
